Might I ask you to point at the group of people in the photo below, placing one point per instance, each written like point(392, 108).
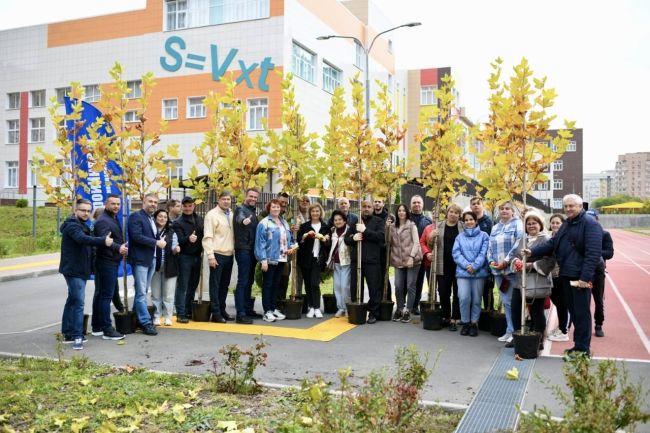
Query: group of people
point(469, 255)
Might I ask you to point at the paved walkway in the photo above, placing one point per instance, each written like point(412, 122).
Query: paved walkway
point(29, 266)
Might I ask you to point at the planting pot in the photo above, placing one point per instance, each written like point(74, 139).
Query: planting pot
point(329, 303)
point(356, 313)
point(201, 311)
point(386, 310)
point(484, 321)
point(431, 319)
point(85, 324)
point(293, 308)
point(125, 322)
point(425, 305)
point(498, 324)
point(527, 344)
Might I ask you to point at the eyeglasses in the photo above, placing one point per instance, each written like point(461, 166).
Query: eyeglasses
point(84, 210)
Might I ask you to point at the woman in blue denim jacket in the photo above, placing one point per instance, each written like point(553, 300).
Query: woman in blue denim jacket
point(274, 243)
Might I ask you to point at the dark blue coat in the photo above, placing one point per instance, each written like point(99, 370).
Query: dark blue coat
point(107, 223)
point(77, 248)
point(142, 239)
point(577, 247)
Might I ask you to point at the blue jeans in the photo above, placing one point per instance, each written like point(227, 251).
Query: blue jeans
point(245, 277)
point(506, 299)
point(470, 292)
point(142, 277)
point(341, 285)
point(270, 284)
point(105, 282)
point(73, 311)
point(405, 287)
point(219, 281)
point(189, 273)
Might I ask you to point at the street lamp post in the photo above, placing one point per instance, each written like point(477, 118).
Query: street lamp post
point(366, 51)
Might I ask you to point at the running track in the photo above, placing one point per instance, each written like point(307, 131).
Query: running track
point(627, 302)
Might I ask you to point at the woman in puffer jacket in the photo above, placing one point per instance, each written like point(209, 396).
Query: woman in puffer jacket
point(470, 255)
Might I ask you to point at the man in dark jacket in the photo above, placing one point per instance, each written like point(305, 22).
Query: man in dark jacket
point(381, 212)
point(142, 249)
point(598, 290)
point(421, 221)
point(245, 221)
point(369, 233)
point(107, 262)
point(578, 249)
point(189, 229)
point(75, 265)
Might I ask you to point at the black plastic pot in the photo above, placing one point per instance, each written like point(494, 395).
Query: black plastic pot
point(329, 303)
point(386, 310)
point(484, 321)
point(85, 324)
point(425, 305)
point(201, 311)
point(125, 322)
point(498, 324)
point(293, 308)
point(526, 345)
point(431, 319)
point(356, 313)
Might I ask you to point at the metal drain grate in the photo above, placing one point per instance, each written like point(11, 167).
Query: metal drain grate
point(493, 407)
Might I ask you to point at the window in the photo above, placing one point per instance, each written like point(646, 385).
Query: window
point(360, 56)
point(257, 110)
point(303, 63)
point(131, 116)
point(331, 77)
point(61, 93)
point(228, 11)
point(170, 109)
point(558, 165)
point(38, 98)
point(543, 186)
point(558, 184)
point(557, 203)
point(176, 14)
point(37, 130)
point(13, 101)
point(11, 178)
point(427, 95)
point(92, 93)
point(195, 108)
point(174, 168)
point(13, 131)
point(571, 147)
point(134, 89)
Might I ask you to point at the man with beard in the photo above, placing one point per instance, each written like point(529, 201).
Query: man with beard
point(421, 221)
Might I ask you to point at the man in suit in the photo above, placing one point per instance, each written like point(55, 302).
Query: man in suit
point(143, 243)
point(369, 232)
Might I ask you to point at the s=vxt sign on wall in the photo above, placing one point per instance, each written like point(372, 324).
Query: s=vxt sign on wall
point(176, 58)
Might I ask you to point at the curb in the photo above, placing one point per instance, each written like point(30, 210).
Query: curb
point(32, 274)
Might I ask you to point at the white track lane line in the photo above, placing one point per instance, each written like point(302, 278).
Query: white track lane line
point(630, 315)
point(635, 263)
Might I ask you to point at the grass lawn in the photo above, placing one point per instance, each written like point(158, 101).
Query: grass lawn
point(16, 231)
point(639, 230)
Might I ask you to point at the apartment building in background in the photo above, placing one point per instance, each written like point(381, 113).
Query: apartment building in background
point(598, 185)
point(633, 174)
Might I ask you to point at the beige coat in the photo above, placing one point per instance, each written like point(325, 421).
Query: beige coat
point(405, 246)
point(218, 235)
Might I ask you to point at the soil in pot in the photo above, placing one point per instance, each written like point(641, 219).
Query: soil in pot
point(201, 311)
point(293, 308)
point(527, 344)
point(484, 321)
point(356, 313)
point(386, 310)
point(431, 319)
point(498, 324)
point(125, 322)
point(425, 305)
point(329, 303)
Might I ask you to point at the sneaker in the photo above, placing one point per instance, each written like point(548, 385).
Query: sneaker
point(149, 330)
point(310, 313)
point(244, 320)
point(168, 322)
point(97, 333)
point(318, 314)
point(112, 334)
point(279, 315)
point(505, 338)
point(558, 336)
point(397, 316)
point(156, 321)
point(216, 318)
point(78, 343)
point(71, 340)
point(182, 320)
point(464, 330)
point(340, 313)
point(269, 317)
point(473, 330)
point(453, 327)
point(371, 320)
point(599, 331)
point(406, 317)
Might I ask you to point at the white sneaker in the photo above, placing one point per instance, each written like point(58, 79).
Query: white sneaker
point(156, 321)
point(269, 317)
point(340, 313)
point(168, 322)
point(310, 313)
point(558, 336)
point(98, 333)
point(278, 315)
point(318, 314)
point(505, 338)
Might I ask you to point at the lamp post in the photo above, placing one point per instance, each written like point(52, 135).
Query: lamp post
point(366, 51)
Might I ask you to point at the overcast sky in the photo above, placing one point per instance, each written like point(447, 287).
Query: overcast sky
point(596, 54)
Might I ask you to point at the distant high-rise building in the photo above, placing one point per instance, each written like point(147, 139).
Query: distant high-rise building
point(633, 174)
point(598, 185)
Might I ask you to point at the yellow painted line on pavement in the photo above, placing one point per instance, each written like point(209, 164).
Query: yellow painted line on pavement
point(324, 331)
point(29, 265)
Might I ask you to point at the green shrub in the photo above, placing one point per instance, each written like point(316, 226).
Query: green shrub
point(4, 250)
point(21, 202)
point(234, 374)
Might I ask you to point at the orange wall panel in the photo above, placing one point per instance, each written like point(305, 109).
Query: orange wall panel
point(276, 8)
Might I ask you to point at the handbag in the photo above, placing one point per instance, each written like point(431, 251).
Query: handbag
point(330, 264)
point(538, 292)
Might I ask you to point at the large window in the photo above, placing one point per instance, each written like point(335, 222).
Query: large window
point(176, 14)
point(92, 93)
point(257, 110)
point(38, 98)
point(558, 184)
point(37, 130)
point(11, 174)
point(571, 147)
point(427, 95)
point(303, 63)
point(61, 93)
point(131, 116)
point(195, 107)
point(359, 56)
point(134, 89)
point(174, 168)
point(331, 77)
point(13, 131)
point(228, 11)
point(170, 109)
point(182, 14)
point(558, 165)
point(13, 101)
point(557, 203)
